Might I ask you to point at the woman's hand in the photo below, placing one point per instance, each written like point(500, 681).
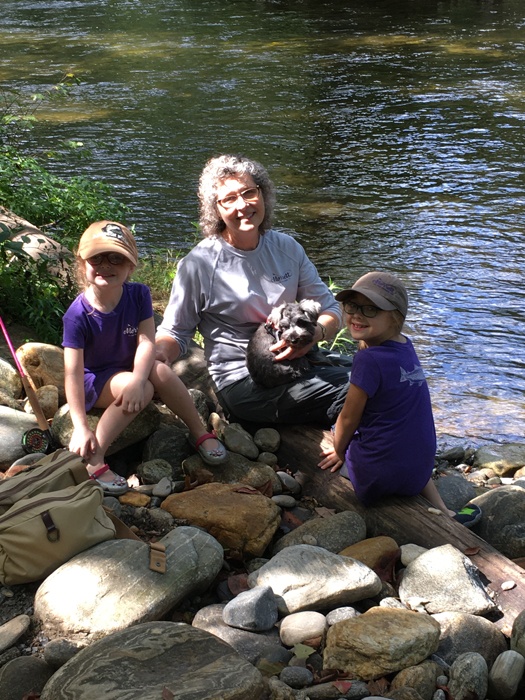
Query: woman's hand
point(167, 350)
point(331, 460)
point(289, 352)
point(83, 442)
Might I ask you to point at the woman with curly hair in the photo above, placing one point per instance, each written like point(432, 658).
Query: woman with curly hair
point(228, 285)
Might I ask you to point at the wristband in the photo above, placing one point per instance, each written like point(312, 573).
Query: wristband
point(323, 330)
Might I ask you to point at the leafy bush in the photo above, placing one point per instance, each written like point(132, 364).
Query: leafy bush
point(62, 208)
point(29, 294)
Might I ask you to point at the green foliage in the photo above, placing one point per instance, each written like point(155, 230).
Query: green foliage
point(158, 269)
point(342, 342)
point(41, 297)
point(62, 208)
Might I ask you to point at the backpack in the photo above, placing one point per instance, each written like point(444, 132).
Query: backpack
point(48, 513)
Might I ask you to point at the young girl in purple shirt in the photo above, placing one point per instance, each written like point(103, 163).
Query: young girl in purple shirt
point(384, 437)
point(109, 355)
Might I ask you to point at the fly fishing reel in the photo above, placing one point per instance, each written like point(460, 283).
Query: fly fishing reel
point(36, 440)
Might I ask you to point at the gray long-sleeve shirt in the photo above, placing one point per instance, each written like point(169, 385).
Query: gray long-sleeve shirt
point(226, 293)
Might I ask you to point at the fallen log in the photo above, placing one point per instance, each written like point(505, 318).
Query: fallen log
point(406, 520)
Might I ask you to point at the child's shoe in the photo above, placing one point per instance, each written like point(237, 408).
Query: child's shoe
point(116, 487)
point(209, 457)
point(469, 515)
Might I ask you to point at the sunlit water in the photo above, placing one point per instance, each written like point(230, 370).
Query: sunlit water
point(394, 132)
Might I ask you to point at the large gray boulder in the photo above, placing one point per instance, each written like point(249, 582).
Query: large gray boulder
point(143, 425)
point(252, 646)
point(304, 577)
point(110, 586)
point(504, 459)
point(157, 660)
point(503, 521)
point(13, 425)
point(170, 443)
point(444, 580)
point(464, 632)
point(334, 533)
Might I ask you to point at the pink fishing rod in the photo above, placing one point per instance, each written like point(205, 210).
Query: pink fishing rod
point(37, 439)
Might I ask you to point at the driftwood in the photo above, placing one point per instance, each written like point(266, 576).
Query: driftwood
point(407, 520)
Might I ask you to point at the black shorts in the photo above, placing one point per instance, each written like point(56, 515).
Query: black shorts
point(315, 398)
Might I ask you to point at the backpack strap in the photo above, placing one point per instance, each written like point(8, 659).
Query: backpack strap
point(157, 551)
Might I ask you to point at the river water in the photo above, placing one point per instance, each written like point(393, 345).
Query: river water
point(394, 131)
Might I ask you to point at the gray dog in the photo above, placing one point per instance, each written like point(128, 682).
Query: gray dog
point(293, 322)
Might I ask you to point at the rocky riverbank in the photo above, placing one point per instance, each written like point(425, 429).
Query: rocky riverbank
point(267, 594)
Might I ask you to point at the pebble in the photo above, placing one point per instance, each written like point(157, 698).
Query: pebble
point(289, 483)
point(162, 488)
point(284, 501)
point(254, 610)
point(296, 677)
point(58, 651)
point(298, 627)
point(267, 458)
point(344, 613)
point(13, 630)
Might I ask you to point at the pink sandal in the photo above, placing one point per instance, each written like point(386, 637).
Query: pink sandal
point(116, 487)
point(210, 457)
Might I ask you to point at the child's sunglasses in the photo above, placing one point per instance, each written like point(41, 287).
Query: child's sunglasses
point(112, 258)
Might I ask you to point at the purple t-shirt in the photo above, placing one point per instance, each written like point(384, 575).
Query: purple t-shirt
point(393, 449)
point(109, 340)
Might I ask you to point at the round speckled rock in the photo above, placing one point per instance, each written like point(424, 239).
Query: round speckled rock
point(284, 501)
point(150, 660)
point(296, 677)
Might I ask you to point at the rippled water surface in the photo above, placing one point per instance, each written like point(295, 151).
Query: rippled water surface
point(394, 131)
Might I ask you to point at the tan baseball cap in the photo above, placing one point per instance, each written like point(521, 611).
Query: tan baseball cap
point(385, 290)
point(108, 237)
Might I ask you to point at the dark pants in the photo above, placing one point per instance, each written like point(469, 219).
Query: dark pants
point(315, 398)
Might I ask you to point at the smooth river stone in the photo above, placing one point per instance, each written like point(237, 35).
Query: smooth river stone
point(155, 660)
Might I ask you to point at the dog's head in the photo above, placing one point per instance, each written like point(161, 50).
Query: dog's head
point(295, 322)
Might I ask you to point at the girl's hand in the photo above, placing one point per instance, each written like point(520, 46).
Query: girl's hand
point(331, 460)
point(83, 442)
point(132, 398)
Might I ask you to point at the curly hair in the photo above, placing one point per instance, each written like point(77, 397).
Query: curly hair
point(214, 173)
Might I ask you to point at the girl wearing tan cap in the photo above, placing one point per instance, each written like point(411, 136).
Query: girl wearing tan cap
point(109, 355)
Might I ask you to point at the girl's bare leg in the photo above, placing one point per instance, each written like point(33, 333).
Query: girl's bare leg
point(112, 422)
point(172, 391)
point(431, 493)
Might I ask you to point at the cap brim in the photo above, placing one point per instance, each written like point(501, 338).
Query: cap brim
point(378, 300)
point(94, 248)
point(343, 295)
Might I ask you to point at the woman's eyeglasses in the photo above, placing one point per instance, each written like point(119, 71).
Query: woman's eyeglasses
point(112, 258)
point(249, 196)
point(366, 309)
